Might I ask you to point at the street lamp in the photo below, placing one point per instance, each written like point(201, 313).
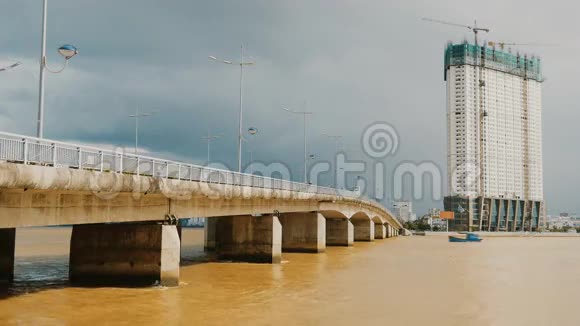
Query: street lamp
point(336, 139)
point(304, 114)
point(241, 63)
point(67, 51)
point(252, 131)
point(209, 139)
point(311, 157)
point(138, 115)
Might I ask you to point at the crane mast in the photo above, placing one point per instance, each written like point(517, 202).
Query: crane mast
point(479, 81)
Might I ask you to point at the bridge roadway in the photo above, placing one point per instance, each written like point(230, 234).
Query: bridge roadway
point(125, 211)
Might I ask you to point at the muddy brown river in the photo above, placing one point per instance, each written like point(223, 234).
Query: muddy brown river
point(403, 281)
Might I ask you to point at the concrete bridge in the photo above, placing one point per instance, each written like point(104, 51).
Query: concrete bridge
point(125, 211)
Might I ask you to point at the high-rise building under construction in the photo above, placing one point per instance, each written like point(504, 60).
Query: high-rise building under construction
point(494, 139)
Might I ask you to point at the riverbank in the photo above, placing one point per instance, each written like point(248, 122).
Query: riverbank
point(507, 234)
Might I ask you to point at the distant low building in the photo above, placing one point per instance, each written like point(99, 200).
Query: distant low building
point(194, 222)
point(563, 221)
point(435, 221)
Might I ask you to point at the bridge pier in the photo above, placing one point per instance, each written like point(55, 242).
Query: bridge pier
point(125, 254)
point(339, 232)
point(380, 231)
point(303, 232)
point(248, 238)
point(7, 245)
point(209, 234)
point(364, 229)
point(389, 231)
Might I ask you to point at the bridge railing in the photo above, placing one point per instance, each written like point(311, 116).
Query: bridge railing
point(36, 151)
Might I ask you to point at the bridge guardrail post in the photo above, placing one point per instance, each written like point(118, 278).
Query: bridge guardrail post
point(80, 153)
point(25, 150)
point(54, 154)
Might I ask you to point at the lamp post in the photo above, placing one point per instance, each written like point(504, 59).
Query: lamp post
point(209, 138)
point(311, 157)
point(241, 63)
point(138, 115)
point(336, 139)
point(252, 131)
point(251, 155)
point(67, 51)
point(304, 114)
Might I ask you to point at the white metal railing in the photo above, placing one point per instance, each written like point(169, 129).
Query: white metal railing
point(31, 150)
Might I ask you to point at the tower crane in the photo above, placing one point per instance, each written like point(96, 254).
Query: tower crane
point(475, 29)
point(526, 127)
point(479, 81)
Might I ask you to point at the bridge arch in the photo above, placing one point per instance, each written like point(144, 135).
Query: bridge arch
point(361, 215)
point(333, 214)
point(378, 220)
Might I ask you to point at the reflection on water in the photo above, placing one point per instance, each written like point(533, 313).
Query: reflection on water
point(405, 281)
point(36, 273)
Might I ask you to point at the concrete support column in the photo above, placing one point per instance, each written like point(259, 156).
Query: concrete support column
point(500, 213)
point(339, 232)
point(125, 254)
point(517, 216)
point(380, 231)
point(7, 245)
point(209, 234)
point(508, 215)
point(303, 232)
point(364, 230)
point(514, 208)
point(247, 238)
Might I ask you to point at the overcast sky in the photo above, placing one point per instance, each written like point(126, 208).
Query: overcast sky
point(352, 62)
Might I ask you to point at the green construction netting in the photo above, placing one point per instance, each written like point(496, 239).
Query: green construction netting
point(520, 65)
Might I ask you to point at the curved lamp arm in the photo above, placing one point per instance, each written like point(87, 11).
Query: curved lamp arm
point(55, 71)
point(67, 51)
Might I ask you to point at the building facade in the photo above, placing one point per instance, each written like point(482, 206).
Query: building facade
point(494, 139)
point(403, 210)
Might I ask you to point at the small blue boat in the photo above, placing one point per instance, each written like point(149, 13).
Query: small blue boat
point(470, 237)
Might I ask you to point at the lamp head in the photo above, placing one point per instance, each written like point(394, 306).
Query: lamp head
point(252, 131)
point(68, 51)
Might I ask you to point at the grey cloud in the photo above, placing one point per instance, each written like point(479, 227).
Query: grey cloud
point(354, 62)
